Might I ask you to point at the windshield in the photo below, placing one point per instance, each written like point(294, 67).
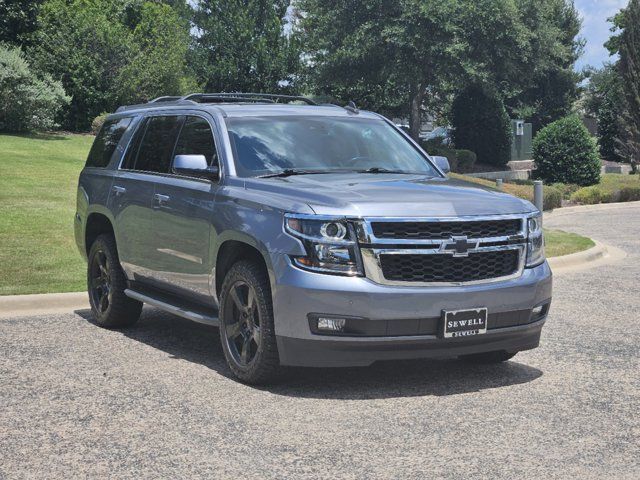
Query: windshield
point(271, 145)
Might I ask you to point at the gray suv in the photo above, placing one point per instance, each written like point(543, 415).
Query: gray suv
point(312, 235)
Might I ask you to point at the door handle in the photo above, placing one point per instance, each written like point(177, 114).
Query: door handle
point(161, 199)
point(118, 190)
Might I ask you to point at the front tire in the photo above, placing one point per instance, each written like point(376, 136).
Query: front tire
point(488, 357)
point(246, 324)
point(106, 283)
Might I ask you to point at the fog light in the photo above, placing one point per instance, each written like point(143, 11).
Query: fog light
point(331, 324)
point(538, 310)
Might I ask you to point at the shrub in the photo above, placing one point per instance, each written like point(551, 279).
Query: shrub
point(567, 189)
point(564, 152)
point(97, 123)
point(552, 198)
point(591, 195)
point(629, 194)
point(435, 147)
point(28, 101)
point(466, 161)
point(481, 124)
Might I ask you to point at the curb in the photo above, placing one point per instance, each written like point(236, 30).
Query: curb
point(590, 208)
point(39, 304)
point(595, 256)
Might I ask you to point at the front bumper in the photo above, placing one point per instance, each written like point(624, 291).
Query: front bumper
point(298, 293)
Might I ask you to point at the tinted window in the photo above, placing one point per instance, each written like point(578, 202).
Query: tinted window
point(265, 145)
point(106, 141)
point(196, 138)
point(157, 144)
point(134, 145)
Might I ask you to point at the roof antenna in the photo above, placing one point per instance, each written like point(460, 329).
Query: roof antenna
point(351, 107)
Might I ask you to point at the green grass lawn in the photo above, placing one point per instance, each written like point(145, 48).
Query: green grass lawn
point(38, 181)
point(563, 243)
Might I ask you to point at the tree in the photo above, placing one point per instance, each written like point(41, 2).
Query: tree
point(109, 52)
point(545, 87)
point(17, 20)
point(242, 46)
point(603, 98)
point(481, 124)
point(158, 63)
point(402, 57)
point(28, 101)
point(565, 152)
point(627, 44)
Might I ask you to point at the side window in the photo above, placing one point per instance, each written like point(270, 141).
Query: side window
point(134, 145)
point(106, 141)
point(196, 138)
point(156, 147)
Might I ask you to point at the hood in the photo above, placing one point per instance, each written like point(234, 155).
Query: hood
point(377, 195)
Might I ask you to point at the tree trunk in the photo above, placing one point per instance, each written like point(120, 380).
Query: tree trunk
point(415, 120)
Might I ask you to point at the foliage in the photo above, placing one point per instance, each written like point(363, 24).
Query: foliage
point(481, 124)
point(466, 160)
point(604, 100)
point(398, 57)
point(566, 189)
point(627, 45)
point(565, 152)
point(437, 148)
point(591, 195)
point(97, 122)
point(17, 20)
point(552, 197)
point(241, 46)
point(613, 187)
point(544, 88)
point(109, 52)
point(28, 101)
point(156, 67)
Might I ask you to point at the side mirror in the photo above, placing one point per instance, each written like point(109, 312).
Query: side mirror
point(195, 166)
point(442, 163)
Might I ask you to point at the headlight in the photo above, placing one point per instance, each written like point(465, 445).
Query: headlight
point(535, 241)
point(330, 244)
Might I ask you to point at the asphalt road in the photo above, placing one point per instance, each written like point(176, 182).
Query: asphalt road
point(156, 401)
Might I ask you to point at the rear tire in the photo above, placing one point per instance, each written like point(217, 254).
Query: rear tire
point(106, 283)
point(488, 357)
point(246, 324)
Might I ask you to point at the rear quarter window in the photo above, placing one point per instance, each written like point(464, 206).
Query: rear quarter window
point(106, 141)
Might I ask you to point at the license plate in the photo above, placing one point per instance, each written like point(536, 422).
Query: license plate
point(464, 323)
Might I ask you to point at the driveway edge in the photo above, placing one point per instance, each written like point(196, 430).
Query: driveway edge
point(594, 256)
point(42, 303)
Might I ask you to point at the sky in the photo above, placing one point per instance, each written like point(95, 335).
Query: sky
point(595, 29)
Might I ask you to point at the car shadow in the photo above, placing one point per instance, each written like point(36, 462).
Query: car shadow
point(197, 343)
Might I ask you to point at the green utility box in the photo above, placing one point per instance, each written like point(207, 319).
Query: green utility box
point(521, 140)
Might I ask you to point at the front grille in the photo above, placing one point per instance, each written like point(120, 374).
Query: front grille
point(447, 268)
point(446, 230)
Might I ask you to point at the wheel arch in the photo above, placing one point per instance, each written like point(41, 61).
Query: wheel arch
point(97, 224)
point(234, 249)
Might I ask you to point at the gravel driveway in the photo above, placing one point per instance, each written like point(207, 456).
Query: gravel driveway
point(157, 400)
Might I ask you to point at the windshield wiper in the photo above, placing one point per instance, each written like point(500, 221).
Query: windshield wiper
point(288, 172)
point(382, 170)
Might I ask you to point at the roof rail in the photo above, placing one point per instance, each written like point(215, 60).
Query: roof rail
point(166, 98)
point(246, 97)
point(238, 97)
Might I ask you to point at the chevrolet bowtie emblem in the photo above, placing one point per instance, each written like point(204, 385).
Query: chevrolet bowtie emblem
point(458, 246)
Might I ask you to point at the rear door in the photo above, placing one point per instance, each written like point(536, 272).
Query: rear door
point(183, 210)
point(131, 199)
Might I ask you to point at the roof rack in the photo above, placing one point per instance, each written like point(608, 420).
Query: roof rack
point(246, 97)
point(238, 97)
